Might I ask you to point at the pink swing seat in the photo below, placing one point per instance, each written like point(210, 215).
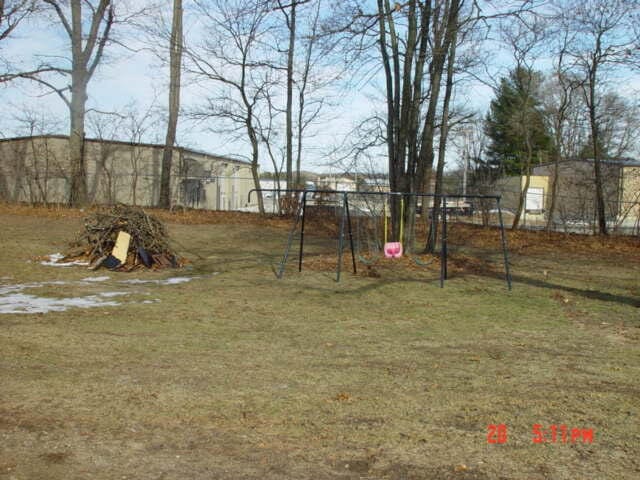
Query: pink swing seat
point(393, 249)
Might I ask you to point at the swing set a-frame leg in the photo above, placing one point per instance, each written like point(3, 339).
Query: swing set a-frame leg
point(443, 243)
point(346, 216)
point(299, 215)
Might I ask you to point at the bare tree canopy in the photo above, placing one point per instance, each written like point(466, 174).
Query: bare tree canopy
point(12, 13)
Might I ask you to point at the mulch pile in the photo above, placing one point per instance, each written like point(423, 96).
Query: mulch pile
point(149, 245)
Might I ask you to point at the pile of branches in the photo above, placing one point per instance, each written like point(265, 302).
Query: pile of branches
point(149, 245)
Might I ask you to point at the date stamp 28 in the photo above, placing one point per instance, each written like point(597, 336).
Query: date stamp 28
point(498, 434)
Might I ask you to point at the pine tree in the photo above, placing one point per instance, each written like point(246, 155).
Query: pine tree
point(515, 123)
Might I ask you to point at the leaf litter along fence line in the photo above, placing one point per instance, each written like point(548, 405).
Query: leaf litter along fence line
point(574, 213)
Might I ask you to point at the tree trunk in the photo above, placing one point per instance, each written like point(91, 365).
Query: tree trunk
point(521, 201)
point(79, 77)
point(304, 82)
point(175, 68)
point(600, 207)
point(595, 138)
point(255, 153)
point(527, 181)
point(442, 146)
point(554, 194)
point(78, 191)
point(289, 113)
point(441, 46)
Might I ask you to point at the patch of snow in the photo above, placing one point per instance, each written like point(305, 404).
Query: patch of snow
point(5, 289)
point(176, 280)
point(21, 303)
point(113, 294)
point(12, 300)
point(22, 286)
point(166, 281)
point(95, 279)
point(54, 261)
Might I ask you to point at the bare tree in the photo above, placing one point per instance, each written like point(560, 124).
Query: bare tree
point(413, 56)
point(605, 39)
point(290, 11)
point(104, 127)
point(37, 162)
point(524, 36)
point(309, 107)
point(268, 128)
point(563, 111)
point(88, 35)
point(137, 126)
point(302, 64)
point(619, 124)
point(175, 69)
point(236, 59)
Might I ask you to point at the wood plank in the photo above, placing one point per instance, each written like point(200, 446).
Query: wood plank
point(121, 247)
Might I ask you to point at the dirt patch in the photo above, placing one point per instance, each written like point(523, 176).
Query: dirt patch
point(55, 457)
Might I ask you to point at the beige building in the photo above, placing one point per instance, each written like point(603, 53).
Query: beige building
point(536, 197)
point(575, 203)
point(36, 170)
point(576, 190)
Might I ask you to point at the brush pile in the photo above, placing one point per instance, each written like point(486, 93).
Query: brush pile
point(124, 238)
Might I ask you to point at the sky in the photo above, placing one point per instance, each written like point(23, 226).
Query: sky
point(136, 80)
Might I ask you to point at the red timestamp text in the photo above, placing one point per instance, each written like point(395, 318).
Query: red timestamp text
point(498, 434)
point(561, 434)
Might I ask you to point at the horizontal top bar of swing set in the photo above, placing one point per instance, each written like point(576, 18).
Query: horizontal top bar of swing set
point(356, 192)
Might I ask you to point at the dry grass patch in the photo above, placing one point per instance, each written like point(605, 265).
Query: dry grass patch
point(238, 375)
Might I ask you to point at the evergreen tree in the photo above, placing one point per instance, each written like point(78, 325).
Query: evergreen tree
point(515, 124)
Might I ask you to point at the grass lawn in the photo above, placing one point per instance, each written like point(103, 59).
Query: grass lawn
point(237, 375)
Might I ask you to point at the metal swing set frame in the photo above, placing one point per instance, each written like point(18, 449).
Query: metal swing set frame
point(345, 222)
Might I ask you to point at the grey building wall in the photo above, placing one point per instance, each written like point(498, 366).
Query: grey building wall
point(37, 170)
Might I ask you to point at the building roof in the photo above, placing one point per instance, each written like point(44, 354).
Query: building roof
point(135, 144)
point(623, 161)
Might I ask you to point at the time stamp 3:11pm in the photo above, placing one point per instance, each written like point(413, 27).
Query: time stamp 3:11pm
point(498, 434)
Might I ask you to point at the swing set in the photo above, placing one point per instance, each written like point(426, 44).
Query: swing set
point(391, 249)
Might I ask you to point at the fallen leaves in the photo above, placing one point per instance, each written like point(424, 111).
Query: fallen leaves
point(343, 397)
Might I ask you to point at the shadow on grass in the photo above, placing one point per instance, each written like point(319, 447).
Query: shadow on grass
point(586, 293)
point(583, 292)
point(496, 275)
